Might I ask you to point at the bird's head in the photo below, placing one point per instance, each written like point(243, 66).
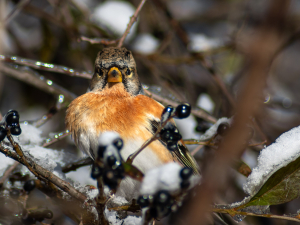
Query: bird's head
point(114, 66)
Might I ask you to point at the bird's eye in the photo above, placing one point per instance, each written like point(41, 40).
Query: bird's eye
point(99, 71)
point(128, 72)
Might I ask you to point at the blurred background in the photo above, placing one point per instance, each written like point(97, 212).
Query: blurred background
point(185, 50)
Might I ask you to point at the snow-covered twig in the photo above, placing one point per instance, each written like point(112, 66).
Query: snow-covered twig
point(234, 212)
point(45, 66)
point(47, 175)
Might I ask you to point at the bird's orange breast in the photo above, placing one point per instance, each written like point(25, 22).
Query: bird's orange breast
point(113, 109)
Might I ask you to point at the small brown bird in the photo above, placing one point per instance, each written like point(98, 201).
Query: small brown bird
point(116, 102)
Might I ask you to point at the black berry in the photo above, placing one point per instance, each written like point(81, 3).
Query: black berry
point(119, 172)
point(111, 160)
point(162, 198)
point(118, 143)
point(29, 185)
point(12, 117)
point(222, 128)
point(153, 212)
point(3, 133)
point(183, 111)
point(184, 184)
point(47, 214)
point(186, 173)
point(96, 172)
point(172, 146)
point(15, 130)
point(176, 135)
point(101, 150)
point(110, 180)
point(165, 134)
point(14, 193)
point(143, 201)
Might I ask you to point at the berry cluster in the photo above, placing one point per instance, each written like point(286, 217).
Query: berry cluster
point(11, 123)
point(170, 135)
point(164, 202)
point(159, 205)
point(109, 164)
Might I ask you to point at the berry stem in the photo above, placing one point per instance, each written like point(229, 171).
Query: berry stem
point(155, 137)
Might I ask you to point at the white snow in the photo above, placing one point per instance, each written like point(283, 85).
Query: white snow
point(205, 102)
point(213, 129)
point(277, 155)
point(145, 43)
point(115, 15)
point(113, 219)
point(165, 177)
point(83, 176)
point(30, 135)
point(107, 138)
point(199, 42)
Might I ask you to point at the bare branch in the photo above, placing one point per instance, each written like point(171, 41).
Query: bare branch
point(36, 80)
point(131, 22)
point(99, 40)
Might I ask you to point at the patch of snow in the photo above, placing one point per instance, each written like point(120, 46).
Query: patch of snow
point(199, 42)
point(205, 102)
point(30, 135)
point(187, 127)
point(113, 219)
point(83, 176)
point(277, 155)
point(46, 157)
point(107, 138)
point(145, 43)
point(165, 177)
point(115, 15)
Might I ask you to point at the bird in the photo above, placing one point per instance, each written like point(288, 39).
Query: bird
point(115, 101)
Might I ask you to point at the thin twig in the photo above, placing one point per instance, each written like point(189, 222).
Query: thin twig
point(155, 137)
point(57, 137)
point(131, 22)
point(46, 66)
point(101, 201)
point(16, 10)
point(8, 172)
point(99, 40)
point(75, 165)
point(36, 80)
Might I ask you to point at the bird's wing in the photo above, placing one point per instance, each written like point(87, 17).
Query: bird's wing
point(181, 154)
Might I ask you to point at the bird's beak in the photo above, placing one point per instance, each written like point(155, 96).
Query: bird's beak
point(114, 75)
